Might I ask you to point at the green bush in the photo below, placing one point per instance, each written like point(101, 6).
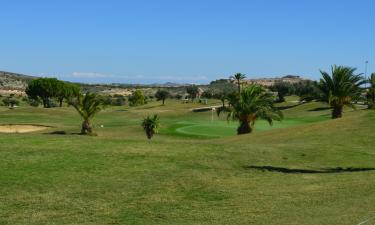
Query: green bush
point(137, 98)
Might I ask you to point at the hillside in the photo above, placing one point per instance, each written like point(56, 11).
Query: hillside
point(267, 82)
point(14, 81)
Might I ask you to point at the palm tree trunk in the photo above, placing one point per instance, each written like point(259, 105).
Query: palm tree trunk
point(239, 86)
point(86, 127)
point(244, 128)
point(150, 133)
point(337, 112)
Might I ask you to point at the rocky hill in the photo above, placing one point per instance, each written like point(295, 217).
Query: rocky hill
point(13, 83)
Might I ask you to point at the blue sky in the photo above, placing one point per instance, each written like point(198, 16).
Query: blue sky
point(195, 41)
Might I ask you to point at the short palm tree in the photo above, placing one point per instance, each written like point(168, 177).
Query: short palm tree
point(151, 124)
point(253, 103)
point(238, 77)
point(88, 106)
point(371, 92)
point(340, 88)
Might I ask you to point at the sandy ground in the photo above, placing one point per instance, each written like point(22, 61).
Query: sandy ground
point(8, 92)
point(20, 128)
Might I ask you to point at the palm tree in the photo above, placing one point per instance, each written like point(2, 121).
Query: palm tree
point(88, 106)
point(151, 125)
point(371, 92)
point(238, 77)
point(253, 103)
point(341, 88)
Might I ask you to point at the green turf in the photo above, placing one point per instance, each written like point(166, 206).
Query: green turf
point(305, 170)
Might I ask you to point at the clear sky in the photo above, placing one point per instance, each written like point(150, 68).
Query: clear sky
point(146, 41)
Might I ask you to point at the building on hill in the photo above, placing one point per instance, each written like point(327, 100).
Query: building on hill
point(267, 82)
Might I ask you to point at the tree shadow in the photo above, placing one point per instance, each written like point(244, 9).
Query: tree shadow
point(319, 109)
point(287, 107)
point(291, 106)
point(58, 132)
point(61, 132)
point(310, 171)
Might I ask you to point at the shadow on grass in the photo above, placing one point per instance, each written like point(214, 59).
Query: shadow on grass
point(59, 132)
point(319, 109)
point(66, 133)
point(325, 170)
point(288, 106)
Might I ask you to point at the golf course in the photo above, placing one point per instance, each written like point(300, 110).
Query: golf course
point(306, 169)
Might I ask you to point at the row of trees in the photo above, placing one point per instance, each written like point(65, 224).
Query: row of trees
point(45, 89)
point(87, 105)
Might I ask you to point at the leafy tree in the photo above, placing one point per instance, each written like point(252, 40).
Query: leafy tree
point(87, 107)
point(371, 92)
point(283, 89)
point(221, 89)
point(208, 94)
point(43, 88)
point(161, 95)
point(119, 101)
point(192, 91)
point(307, 90)
point(251, 104)
point(10, 102)
point(66, 91)
point(238, 77)
point(340, 88)
point(33, 102)
point(151, 125)
point(137, 98)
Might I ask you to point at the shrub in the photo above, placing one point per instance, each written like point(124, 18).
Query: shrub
point(11, 102)
point(119, 101)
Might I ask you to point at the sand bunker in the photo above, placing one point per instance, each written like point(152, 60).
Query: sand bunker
point(14, 128)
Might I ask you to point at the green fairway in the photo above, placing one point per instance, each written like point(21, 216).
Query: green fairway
point(307, 169)
point(224, 128)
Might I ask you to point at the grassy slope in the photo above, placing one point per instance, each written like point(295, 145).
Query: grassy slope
point(121, 178)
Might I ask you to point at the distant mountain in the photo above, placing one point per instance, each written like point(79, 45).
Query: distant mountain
point(14, 81)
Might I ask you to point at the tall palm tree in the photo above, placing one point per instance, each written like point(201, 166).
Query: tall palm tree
point(340, 88)
point(253, 103)
point(88, 106)
point(238, 77)
point(371, 92)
